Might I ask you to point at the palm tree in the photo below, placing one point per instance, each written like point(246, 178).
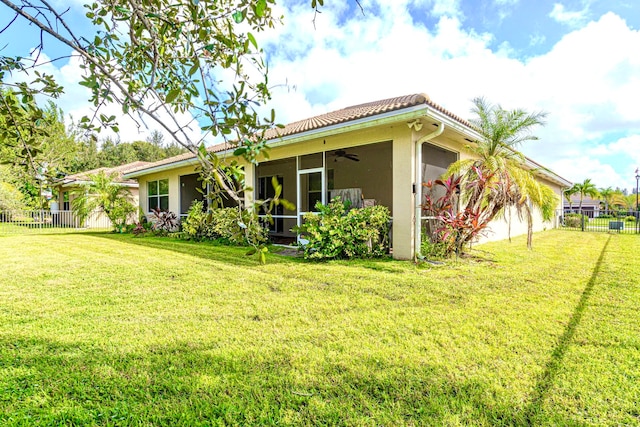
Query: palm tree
point(585, 188)
point(507, 182)
point(103, 192)
point(631, 202)
point(567, 195)
point(619, 201)
point(607, 195)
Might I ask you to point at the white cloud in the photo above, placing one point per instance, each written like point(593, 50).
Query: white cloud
point(573, 19)
point(602, 174)
point(446, 8)
point(589, 82)
point(536, 39)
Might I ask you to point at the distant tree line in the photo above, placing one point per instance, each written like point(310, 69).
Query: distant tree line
point(111, 152)
point(60, 150)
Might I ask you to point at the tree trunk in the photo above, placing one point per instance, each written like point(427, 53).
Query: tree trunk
point(529, 228)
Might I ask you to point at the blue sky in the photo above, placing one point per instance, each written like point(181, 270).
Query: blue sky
point(578, 60)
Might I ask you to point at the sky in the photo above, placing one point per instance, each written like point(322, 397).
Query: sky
point(576, 60)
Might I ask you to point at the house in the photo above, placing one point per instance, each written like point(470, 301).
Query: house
point(590, 206)
point(67, 187)
point(377, 153)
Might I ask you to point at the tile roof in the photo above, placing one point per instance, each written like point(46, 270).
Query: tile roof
point(120, 170)
point(332, 118)
point(347, 114)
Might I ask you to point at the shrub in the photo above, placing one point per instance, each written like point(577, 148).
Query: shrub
point(195, 225)
point(335, 232)
point(630, 218)
point(164, 222)
point(140, 228)
point(606, 216)
point(11, 199)
point(236, 227)
point(454, 228)
point(225, 225)
point(574, 220)
point(432, 250)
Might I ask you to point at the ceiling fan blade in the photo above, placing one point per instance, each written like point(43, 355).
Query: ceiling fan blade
point(353, 157)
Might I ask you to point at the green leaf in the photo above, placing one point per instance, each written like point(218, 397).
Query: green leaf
point(261, 6)
point(202, 150)
point(252, 39)
point(238, 16)
point(123, 10)
point(252, 251)
point(287, 205)
point(172, 95)
point(240, 151)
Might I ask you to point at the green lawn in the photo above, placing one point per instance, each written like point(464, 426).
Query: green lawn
point(115, 330)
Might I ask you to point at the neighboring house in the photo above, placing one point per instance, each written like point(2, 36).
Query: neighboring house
point(375, 153)
point(590, 207)
point(67, 188)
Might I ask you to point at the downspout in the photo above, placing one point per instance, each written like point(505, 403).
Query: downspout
point(418, 189)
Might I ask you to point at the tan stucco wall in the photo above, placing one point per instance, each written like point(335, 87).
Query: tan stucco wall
point(499, 229)
point(173, 176)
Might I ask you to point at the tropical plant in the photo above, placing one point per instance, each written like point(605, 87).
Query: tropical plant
point(606, 194)
point(139, 228)
point(164, 222)
point(498, 178)
point(103, 192)
point(567, 195)
point(632, 202)
point(451, 228)
point(195, 225)
point(335, 231)
point(226, 225)
point(621, 202)
point(585, 188)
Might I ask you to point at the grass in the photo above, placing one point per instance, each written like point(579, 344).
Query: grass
point(42, 228)
point(108, 329)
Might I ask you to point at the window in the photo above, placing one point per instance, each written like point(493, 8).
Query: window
point(158, 195)
point(65, 201)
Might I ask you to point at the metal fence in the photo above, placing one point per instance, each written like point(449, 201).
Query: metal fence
point(627, 222)
point(46, 221)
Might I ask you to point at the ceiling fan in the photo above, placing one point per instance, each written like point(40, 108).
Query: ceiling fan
point(342, 154)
